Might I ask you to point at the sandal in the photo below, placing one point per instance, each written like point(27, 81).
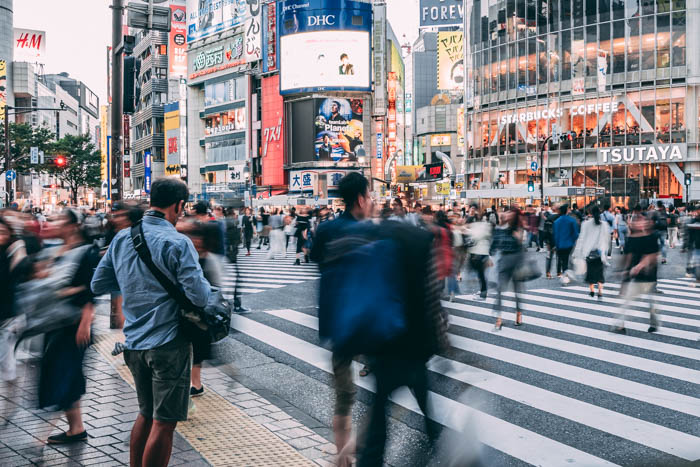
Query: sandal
point(518, 319)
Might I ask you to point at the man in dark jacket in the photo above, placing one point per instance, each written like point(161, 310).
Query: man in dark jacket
point(565, 235)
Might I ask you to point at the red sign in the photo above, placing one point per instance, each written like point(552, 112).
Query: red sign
point(272, 143)
point(127, 168)
point(177, 56)
point(127, 136)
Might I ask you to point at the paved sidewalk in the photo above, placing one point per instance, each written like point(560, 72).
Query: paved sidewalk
point(230, 424)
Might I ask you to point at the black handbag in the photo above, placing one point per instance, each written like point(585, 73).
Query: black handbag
point(212, 321)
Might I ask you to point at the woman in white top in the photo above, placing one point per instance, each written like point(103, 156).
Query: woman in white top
point(591, 245)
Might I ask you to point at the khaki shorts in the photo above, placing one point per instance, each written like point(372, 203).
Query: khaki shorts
point(162, 379)
point(344, 387)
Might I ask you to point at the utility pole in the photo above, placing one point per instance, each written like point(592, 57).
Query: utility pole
point(544, 145)
point(117, 102)
point(8, 160)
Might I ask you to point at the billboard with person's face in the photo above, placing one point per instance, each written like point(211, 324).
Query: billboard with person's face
point(339, 129)
point(330, 37)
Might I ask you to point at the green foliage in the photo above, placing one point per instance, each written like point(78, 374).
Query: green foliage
point(22, 137)
point(82, 168)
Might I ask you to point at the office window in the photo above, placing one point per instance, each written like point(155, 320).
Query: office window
point(633, 45)
point(678, 39)
point(648, 40)
point(663, 41)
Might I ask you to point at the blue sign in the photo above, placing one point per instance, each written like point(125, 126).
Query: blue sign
point(380, 145)
point(147, 172)
point(533, 165)
point(336, 44)
point(10, 175)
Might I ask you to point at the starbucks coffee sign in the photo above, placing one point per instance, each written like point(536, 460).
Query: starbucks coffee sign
point(647, 154)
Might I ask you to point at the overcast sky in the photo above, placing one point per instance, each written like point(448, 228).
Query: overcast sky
point(78, 32)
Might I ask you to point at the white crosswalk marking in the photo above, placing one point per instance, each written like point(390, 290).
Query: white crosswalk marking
point(257, 273)
point(562, 365)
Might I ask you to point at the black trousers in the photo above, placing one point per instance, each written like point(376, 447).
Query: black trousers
point(563, 259)
point(392, 373)
point(478, 263)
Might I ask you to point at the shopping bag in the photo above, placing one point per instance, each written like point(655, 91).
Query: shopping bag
point(527, 270)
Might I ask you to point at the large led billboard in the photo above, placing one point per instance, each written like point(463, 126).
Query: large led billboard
point(208, 17)
point(450, 45)
point(339, 129)
point(330, 37)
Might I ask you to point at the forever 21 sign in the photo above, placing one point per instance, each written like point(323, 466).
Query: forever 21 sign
point(647, 154)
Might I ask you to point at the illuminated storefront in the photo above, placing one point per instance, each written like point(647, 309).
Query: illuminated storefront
point(608, 79)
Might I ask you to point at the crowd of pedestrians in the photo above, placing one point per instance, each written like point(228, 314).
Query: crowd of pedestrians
point(384, 271)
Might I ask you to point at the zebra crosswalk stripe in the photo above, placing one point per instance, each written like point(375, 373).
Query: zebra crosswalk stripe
point(593, 358)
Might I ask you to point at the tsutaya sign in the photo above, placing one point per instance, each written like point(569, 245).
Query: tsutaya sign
point(643, 154)
point(555, 112)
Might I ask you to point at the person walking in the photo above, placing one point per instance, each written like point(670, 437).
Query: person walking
point(157, 353)
point(276, 235)
point(592, 245)
point(641, 264)
point(303, 230)
point(620, 227)
point(507, 240)
point(61, 381)
point(247, 227)
point(444, 253)
point(549, 218)
point(566, 230)
point(608, 216)
point(354, 189)
point(263, 228)
point(659, 217)
point(672, 227)
point(479, 233)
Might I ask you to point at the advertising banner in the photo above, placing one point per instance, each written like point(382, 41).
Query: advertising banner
point(379, 42)
point(253, 32)
point(602, 70)
point(103, 143)
point(219, 57)
point(441, 140)
point(460, 129)
point(207, 17)
point(226, 122)
point(269, 23)
point(147, 171)
point(273, 127)
point(397, 65)
point(339, 128)
point(236, 173)
point(408, 173)
point(30, 45)
point(441, 13)
point(126, 131)
point(442, 188)
point(3, 88)
point(177, 50)
point(172, 138)
point(450, 60)
point(332, 37)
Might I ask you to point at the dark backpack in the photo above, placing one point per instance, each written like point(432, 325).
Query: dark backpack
point(549, 222)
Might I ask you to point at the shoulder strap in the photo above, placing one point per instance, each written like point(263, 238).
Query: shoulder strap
point(139, 241)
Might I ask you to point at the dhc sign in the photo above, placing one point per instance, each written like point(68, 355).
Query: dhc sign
point(649, 154)
point(321, 20)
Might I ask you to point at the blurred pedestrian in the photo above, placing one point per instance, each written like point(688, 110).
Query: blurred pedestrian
point(550, 217)
point(507, 240)
point(566, 230)
point(591, 246)
point(263, 228)
point(303, 226)
point(158, 355)
point(620, 227)
point(276, 235)
point(247, 224)
point(479, 234)
point(672, 227)
point(61, 381)
point(640, 268)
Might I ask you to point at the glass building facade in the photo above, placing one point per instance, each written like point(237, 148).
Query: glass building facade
point(605, 74)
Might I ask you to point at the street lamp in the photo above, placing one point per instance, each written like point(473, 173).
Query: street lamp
point(544, 144)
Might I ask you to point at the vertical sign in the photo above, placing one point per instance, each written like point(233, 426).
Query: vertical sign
point(3, 89)
point(177, 53)
point(127, 136)
point(109, 74)
point(379, 37)
point(460, 129)
point(34, 155)
point(270, 37)
point(172, 138)
point(253, 32)
point(109, 167)
point(147, 172)
point(391, 121)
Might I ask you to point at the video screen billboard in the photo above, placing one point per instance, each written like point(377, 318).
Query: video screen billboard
point(339, 129)
point(331, 37)
point(450, 47)
point(208, 17)
point(340, 60)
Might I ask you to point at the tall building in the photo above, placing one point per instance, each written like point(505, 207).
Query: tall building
point(6, 55)
point(88, 116)
point(613, 82)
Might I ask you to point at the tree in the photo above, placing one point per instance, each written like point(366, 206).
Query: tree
point(22, 137)
point(82, 167)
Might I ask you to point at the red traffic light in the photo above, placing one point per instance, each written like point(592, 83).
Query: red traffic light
point(60, 161)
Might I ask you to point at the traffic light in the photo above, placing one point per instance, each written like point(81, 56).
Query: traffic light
point(60, 161)
point(688, 179)
point(530, 186)
point(132, 90)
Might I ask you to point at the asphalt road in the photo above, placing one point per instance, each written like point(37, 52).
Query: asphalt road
point(559, 390)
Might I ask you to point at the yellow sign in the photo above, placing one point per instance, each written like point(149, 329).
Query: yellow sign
point(459, 186)
point(450, 47)
point(440, 140)
point(443, 188)
point(407, 173)
point(103, 144)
